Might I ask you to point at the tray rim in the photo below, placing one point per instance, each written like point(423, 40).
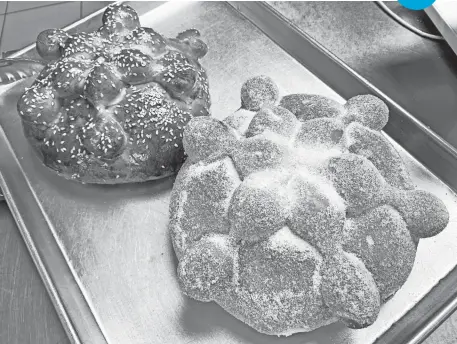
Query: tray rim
point(414, 334)
point(45, 255)
point(90, 328)
point(277, 26)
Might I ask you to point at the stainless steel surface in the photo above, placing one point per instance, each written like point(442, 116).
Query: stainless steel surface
point(436, 321)
point(43, 246)
point(444, 16)
point(12, 70)
point(115, 241)
point(418, 74)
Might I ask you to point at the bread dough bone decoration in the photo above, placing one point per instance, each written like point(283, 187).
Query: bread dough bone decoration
point(111, 105)
point(295, 215)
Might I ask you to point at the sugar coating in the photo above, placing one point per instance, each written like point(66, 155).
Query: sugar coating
point(350, 291)
point(358, 181)
point(258, 153)
point(210, 188)
point(272, 118)
point(202, 207)
point(258, 207)
point(311, 106)
point(205, 136)
point(258, 92)
point(280, 279)
point(374, 146)
point(314, 211)
point(380, 238)
point(207, 269)
point(422, 224)
point(320, 227)
point(149, 84)
point(240, 120)
point(320, 131)
point(367, 104)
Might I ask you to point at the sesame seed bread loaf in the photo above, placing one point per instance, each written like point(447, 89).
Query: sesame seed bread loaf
point(303, 216)
point(111, 105)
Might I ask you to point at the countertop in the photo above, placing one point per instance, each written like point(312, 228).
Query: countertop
point(27, 315)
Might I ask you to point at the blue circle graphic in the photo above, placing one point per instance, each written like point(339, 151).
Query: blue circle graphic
point(416, 4)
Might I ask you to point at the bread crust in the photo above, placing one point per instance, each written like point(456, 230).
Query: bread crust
point(298, 218)
point(111, 105)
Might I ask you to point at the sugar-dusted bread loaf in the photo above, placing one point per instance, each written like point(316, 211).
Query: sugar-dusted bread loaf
point(303, 216)
point(111, 105)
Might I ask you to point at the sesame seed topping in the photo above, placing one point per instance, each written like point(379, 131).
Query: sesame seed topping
point(84, 127)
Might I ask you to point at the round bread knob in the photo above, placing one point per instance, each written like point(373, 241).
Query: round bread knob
point(103, 85)
point(372, 144)
point(258, 153)
point(368, 110)
point(317, 214)
point(380, 238)
point(69, 78)
point(80, 111)
point(190, 33)
point(198, 47)
point(39, 105)
point(358, 181)
point(279, 276)
point(207, 268)
point(310, 106)
point(206, 136)
point(146, 40)
point(179, 75)
point(258, 92)
point(50, 42)
point(80, 45)
point(272, 118)
point(191, 38)
point(424, 213)
point(350, 291)
point(105, 138)
point(135, 67)
point(240, 120)
point(258, 208)
point(122, 14)
point(61, 147)
point(320, 131)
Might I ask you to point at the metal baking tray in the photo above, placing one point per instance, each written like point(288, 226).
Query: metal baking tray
point(104, 252)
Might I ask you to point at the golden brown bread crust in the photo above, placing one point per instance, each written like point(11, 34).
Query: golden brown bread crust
point(298, 218)
point(112, 104)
